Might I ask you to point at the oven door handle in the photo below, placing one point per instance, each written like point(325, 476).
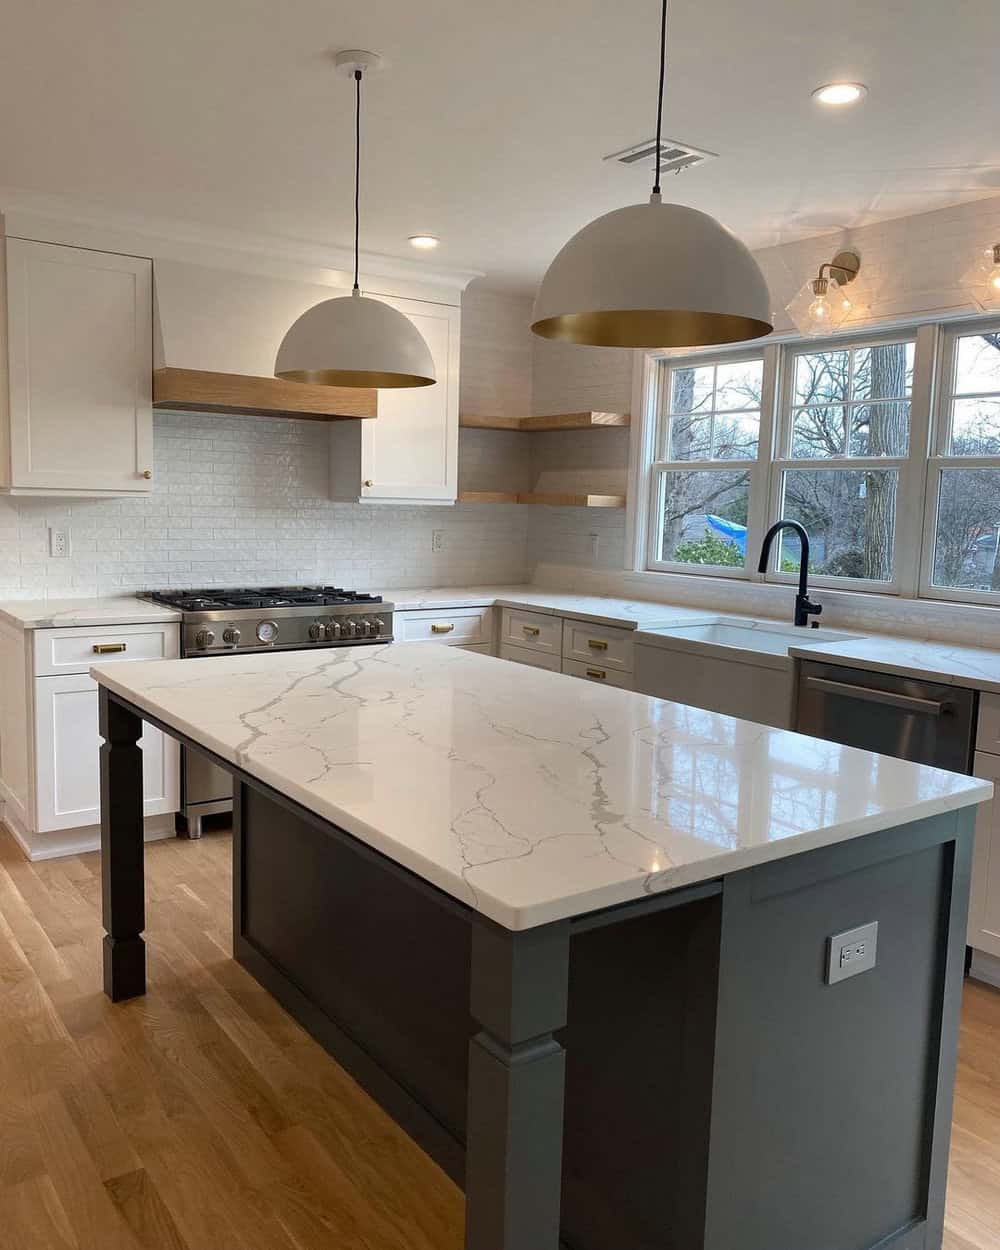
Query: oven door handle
point(905, 702)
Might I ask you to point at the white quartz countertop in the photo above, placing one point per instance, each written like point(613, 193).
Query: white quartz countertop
point(602, 609)
point(934, 661)
point(56, 613)
point(528, 795)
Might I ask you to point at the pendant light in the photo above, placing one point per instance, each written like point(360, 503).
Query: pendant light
point(354, 340)
point(653, 275)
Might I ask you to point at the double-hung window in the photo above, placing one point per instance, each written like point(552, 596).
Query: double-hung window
point(963, 494)
point(844, 441)
point(886, 448)
point(705, 477)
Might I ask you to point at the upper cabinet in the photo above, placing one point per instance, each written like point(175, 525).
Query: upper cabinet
point(410, 453)
point(76, 402)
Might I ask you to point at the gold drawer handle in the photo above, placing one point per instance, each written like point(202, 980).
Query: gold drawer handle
point(147, 474)
point(108, 648)
point(597, 644)
point(531, 630)
point(599, 673)
point(442, 629)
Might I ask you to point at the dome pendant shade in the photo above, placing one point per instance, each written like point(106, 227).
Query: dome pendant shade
point(653, 275)
point(355, 341)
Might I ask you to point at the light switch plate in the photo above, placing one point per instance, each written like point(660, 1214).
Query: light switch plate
point(852, 952)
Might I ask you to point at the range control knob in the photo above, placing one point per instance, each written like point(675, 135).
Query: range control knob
point(368, 628)
point(334, 630)
point(317, 631)
point(231, 635)
point(379, 626)
point(204, 638)
point(351, 629)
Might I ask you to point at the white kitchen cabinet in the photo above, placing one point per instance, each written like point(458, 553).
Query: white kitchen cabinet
point(409, 452)
point(535, 630)
point(534, 659)
point(50, 739)
point(984, 905)
point(76, 401)
point(67, 761)
point(597, 673)
point(456, 627)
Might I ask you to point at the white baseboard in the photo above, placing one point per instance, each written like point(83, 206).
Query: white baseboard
point(60, 842)
point(985, 968)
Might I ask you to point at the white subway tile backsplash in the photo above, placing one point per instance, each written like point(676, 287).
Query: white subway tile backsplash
point(259, 514)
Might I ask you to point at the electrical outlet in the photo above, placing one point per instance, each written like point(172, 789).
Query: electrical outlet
point(852, 952)
point(437, 540)
point(58, 542)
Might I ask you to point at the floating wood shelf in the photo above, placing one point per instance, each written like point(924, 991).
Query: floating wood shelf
point(561, 421)
point(197, 390)
point(545, 498)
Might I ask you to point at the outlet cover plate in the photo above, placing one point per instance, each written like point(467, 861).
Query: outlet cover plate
point(852, 952)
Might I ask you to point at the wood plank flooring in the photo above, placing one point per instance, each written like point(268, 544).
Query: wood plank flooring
point(203, 1118)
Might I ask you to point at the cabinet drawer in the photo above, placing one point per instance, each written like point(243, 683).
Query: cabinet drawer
point(456, 626)
point(988, 726)
point(598, 673)
point(532, 629)
point(607, 646)
point(536, 659)
point(75, 649)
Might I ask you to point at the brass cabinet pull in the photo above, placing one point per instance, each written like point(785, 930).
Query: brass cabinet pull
point(597, 644)
point(442, 629)
point(531, 630)
point(147, 474)
point(108, 648)
point(599, 673)
point(367, 482)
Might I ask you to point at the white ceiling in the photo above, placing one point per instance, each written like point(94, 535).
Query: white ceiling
point(489, 124)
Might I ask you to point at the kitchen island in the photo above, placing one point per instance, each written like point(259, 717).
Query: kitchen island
point(588, 947)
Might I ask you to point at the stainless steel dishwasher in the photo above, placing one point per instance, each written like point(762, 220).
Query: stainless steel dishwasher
point(922, 721)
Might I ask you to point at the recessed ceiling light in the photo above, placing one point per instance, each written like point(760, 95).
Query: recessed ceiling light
point(840, 92)
point(424, 241)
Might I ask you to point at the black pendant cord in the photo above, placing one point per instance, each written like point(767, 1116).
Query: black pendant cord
point(659, 95)
point(357, 172)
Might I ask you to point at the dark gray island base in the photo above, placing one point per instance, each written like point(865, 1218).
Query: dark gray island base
point(672, 1073)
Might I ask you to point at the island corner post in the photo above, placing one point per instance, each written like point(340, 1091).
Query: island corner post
point(585, 1090)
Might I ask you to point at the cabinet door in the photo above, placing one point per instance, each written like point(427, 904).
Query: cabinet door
point(79, 329)
point(984, 910)
point(67, 763)
point(410, 450)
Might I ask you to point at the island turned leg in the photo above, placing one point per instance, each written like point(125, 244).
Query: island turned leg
point(513, 1173)
point(122, 885)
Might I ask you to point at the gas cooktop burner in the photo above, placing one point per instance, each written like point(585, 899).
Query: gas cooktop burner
point(213, 600)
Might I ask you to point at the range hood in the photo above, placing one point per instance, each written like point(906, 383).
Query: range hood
point(216, 333)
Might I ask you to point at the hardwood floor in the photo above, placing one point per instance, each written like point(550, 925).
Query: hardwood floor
point(203, 1118)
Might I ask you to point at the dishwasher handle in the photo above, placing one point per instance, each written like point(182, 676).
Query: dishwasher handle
point(905, 702)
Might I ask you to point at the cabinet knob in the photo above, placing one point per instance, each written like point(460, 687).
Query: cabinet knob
point(367, 482)
point(147, 474)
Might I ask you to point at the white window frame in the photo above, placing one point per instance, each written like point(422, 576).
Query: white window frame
point(946, 360)
point(906, 560)
point(656, 395)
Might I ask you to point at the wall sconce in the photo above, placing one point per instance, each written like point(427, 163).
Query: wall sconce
point(821, 307)
point(984, 277)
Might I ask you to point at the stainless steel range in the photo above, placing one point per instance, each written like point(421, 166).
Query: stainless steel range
point(270, 618)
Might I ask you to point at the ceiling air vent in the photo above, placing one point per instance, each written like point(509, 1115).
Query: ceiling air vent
point(674, 156)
